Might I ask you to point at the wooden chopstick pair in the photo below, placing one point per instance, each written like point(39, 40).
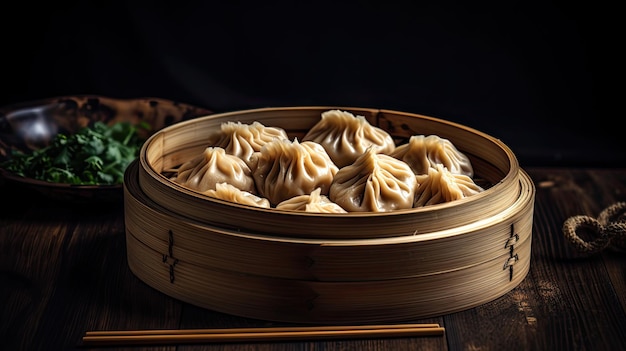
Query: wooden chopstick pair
point(222, 335)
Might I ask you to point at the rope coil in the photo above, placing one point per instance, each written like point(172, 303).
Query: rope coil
point(609, 230)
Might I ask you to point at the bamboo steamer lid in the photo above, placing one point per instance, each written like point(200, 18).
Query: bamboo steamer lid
point(335, 268)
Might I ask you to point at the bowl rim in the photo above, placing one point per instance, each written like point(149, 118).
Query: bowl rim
point(37, 184)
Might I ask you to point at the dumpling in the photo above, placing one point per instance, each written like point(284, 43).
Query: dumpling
point(314, 202)
point(346, 136)
point(242, 139)
point(374, 183)
point(423, 152)
point(230, 193)
point(440, 185)
point(284, 169)
point(214, 166)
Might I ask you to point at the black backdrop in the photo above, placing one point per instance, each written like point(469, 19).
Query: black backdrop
point(542, 77)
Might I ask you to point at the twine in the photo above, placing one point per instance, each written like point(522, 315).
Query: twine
point(609, 229)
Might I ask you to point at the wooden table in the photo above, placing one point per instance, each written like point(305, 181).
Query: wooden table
point(63, 271)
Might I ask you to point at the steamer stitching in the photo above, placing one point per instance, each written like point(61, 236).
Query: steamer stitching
point(169, 259)
point(513, 257)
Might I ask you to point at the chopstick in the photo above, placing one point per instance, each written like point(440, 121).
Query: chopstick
point(223, 335)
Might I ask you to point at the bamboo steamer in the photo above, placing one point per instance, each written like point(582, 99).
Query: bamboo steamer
point(328, 268)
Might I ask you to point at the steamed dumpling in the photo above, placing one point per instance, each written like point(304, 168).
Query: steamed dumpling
point(440, 185)
point(242, 139)
point(374, 183)
point(314, 202)
point(230, 193)
point(214, 166)
point(346, 136)
point(423, 152)
point(284, 169)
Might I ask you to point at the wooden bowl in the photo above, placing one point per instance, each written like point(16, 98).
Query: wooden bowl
point(32, 125)
point(328, 268)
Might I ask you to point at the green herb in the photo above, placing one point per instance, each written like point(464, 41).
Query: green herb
point(96, 155)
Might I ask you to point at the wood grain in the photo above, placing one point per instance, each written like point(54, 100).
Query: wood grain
point(63, 271)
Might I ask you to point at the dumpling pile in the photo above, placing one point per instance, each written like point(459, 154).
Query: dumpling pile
point(342, 164)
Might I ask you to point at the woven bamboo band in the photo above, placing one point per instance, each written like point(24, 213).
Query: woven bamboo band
point(609, 229)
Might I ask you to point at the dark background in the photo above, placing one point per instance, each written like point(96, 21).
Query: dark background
point(544, 77)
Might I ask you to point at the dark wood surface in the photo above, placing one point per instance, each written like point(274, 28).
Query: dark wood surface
point(63, 271)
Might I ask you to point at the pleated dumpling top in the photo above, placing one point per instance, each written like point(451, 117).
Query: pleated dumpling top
point(231, 193)
point(345, 136)
point(374, 183)
point(214, 166)
point(424, 152)
point(242, 140)
point(284, 169)
point(440, 185)
point(314, 202)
